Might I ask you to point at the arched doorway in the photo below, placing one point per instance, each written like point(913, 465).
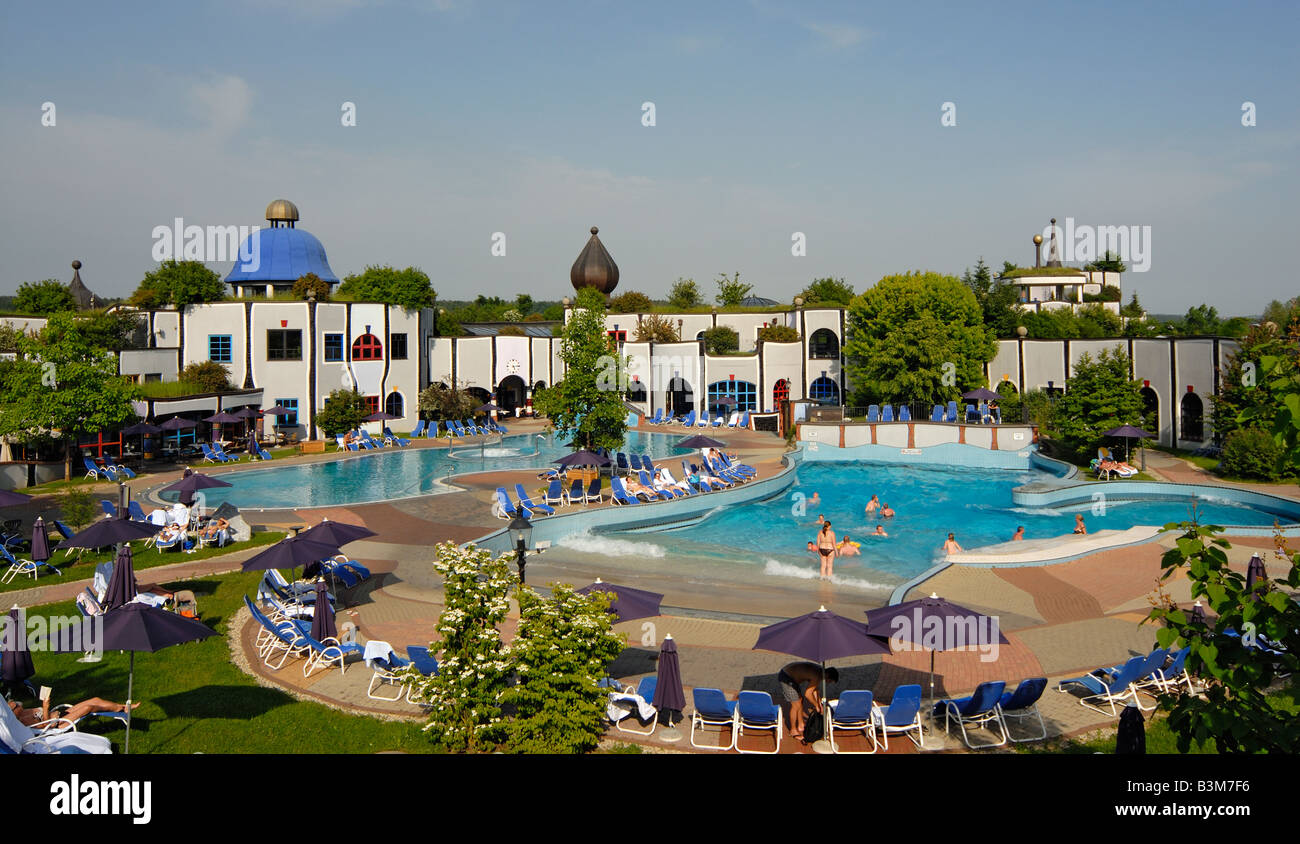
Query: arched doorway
point(780, 393)
point(636, 392)
point(511, 393)
point(395, 405)
point(1191, 421)
point(681, 397)
point(1150, 407)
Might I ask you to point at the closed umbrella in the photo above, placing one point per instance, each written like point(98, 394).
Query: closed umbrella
point(1254, 571)
point(40, 541)
point(122, 588)
point(669, 695)
point(322, 615)
point(16, 659)
point(627, 603)
point(134, 627)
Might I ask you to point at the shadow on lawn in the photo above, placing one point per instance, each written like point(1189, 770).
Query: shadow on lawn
point(222, 702)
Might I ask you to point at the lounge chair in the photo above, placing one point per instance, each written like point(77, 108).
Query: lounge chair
point(936, 415)
point(208, 456)
point(902, 715)
point(402, 443)
point(220, 452)
point(658, 418)
point(887, 413)
point(424, 663)
point(873, 413)
point(109, 508)
point(505, 509)
point(262, 454)
point(118, 468)
point(57, 735)
point(617, 493)
point(555, 493)
point(744, 420)
point(705, 418)
point(712, 709)
point(689, 421)
point(979, 709)
point(326, 652)
point(853, 713)
point(621, 462)
point(136, 512)
point(638, 703)
point(1022, 705)
point(383, 667)
point(756, 712)
point(952, 412)
point(419, 429)
point(972, 415)
point(1175, 674)
point(17, 566)
point(593, 491)
point(525, 501)
point(93, 471)
point(667, 494)
point(1109, 687)
point(717, 421)
point(904, 413)
point(575, 495)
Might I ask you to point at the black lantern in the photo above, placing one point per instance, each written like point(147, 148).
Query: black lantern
point(521, 531)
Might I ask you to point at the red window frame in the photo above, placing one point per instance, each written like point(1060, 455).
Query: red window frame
point(367, 347)
point(372, 404)
point(781, 392)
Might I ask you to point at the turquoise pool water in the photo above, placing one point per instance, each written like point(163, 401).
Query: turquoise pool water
point(402, 473)
point(768, 539)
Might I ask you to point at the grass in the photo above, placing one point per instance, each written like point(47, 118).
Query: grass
point(83, 568)
point(196, 701)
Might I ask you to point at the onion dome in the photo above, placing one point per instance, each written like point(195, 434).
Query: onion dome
point(594, 267)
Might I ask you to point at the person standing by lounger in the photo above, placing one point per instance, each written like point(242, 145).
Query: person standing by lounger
point(791, 678)
point(826, 548)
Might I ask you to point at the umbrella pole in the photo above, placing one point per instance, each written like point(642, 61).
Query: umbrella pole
point(130, 689)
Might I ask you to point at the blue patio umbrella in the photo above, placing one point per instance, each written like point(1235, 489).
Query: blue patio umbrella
point(627, 603)
point(16, 662)
point(40, 541)
point(134, 627)
point(322, 615)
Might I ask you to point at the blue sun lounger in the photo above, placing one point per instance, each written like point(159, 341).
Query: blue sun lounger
point(1022, 704)
point(525, 501)
point(979, 709)
point(1108, 688)
point(873, 413)
point(902, 715)
point(507, 508)
point(853, 713)
point(712, 709)
point(756, 711)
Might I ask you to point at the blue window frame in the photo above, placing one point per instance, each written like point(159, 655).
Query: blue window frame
point(825, 391)
point(744, 392)
point(333, 348)
point(219, 348)
point(289, 419)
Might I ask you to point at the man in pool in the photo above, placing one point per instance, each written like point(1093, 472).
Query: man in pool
point(826, 547)
point(847, 548)
point(794, 675)
point(951, 546)
point(886, 511)
point(873, 505)
point(815, 500)
point(880, 531)
point(1020, 534)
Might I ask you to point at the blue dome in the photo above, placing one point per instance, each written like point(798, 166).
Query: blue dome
point(286, 254)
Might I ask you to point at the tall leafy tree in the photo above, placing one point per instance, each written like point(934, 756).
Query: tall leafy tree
point(1200, 319)
point(178, 284)
point(1278, 409)
point(685, 294)
point(1099, 395)
point(656, 328)
point(587, 405)
point(409, 288)
point(631, 302)
point(314, 283)
point(828, 291)
point(916, 336)
point(731, 290)
point(344, 410)
point(998, 300)
point(42, 298)
point(63, 383)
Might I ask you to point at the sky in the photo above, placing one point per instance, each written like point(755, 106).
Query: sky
point(770, 118)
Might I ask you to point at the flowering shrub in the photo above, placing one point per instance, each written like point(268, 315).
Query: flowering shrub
point(472, 669)
point(561, 652)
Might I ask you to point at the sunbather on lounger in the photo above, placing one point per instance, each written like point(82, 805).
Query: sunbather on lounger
point(75, 712)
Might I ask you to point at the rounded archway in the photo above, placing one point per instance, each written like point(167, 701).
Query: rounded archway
point(1191, 423)
point(680, 396)
point(780, 392)
point(395, 405)
point(511, 393)
point(1150, 406)
point(636, 392)
point(823, 345)
point(824, 391)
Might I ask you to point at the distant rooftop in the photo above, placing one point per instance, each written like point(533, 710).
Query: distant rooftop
point(492, 329)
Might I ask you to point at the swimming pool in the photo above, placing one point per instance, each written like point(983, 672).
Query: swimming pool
point(768, 539)
point(403, 473)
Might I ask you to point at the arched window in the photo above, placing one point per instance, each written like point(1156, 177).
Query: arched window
point(1006, 388)
point(636, 391)
point(824, 391)
point(1192, 422)
point(367, 347)
point(781, 391)
point(395, 405)
point(744, 393)
point(538, 387)
point(823, 344)
point(681, 397)
point(1151, 406)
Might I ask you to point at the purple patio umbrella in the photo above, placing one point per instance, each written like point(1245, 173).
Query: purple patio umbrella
point(582, 458)
point(290, 554)
point(627, 603)
point(134, 627)
point(981, 394)
point(15, 662)
point(1128, 432)
point(12, 499)
point(1255, 571)
point(40, 541)
point(177, 424)
point(191, 483)
point(322, 616)
point(122, 588)
point(932, 623)
point(669, 695)
point(220, 419)
point(107, 532)
point(336, 533)
point(699, 441)
point(1196, 614)
point(381, 416)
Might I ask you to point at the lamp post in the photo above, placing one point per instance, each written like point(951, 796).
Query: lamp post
point(521, 531)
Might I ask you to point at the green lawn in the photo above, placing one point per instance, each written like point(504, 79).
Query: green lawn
point(82, 568)
point(196, 701)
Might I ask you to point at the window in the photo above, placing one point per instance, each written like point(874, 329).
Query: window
point(618, 336)
point(824, 391)
point(288, 420)
point(333, 348)
point(284, 344)
point(636, 391)
point(219, 348)
point(152, 376)
point(745, 394)
point(367, 347)
point(372, 404)
point(781, 391)
point(397, 346)
point(395, 405)
point(823, 345)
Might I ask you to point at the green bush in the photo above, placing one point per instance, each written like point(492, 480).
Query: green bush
point(721, 340)
point(78, 507)
point(1251, 453)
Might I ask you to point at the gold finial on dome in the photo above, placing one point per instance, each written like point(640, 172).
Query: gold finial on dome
point(282, 212)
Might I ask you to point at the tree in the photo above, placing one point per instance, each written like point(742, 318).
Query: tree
point(685, 294)
point(828, 291)
point(656, 329)
point(1279, 377)
point(1234, 712)
point(1099, 396)
point(312, 282)
point(113, 330)
point(560, 653)
point(42, 298)
point(1134, 309)
point(344, 410)
point(206, 376)
point(999, 301)
point(721, 340)
point(587, 405)
point(631, 302)
point(731, 290)
point(1282, 314)
point(1200, 319)
point(917, 336)
point(447, 400)
point(512, 315)
point(78, 506)
point(1096, 321)
point(511, 331)
point(524, 304)
point(1108, 262)
point(777, 334)
point(1242, 386)
point(1054, 324)
point(61, 382)
point(409, 288)
point(178, 284)
point(464, 695)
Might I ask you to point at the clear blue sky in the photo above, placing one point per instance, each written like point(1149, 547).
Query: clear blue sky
point(771, 118)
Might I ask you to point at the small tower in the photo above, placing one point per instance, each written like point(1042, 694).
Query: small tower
point(1053, 248)
point(80, 293)
point(282, 213)
point(595, 267)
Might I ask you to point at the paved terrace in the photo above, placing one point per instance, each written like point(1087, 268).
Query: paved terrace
point(1060, 620)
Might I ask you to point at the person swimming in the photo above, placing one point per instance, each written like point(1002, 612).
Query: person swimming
point(1020, 534)
point(815, 500)
point(951, 546)
point(873, 505)
point(880, 531)
point(886, 511)
point(847, 547)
